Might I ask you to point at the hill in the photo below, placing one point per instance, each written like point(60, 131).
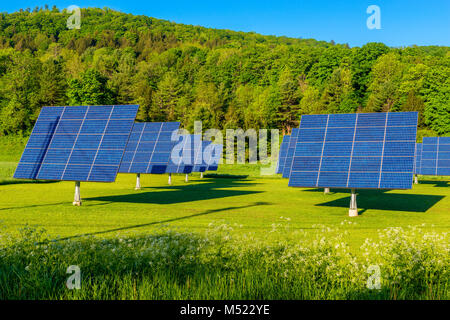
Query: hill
point(225, 78)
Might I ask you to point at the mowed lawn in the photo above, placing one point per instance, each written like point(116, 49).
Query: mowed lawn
point(236, 196)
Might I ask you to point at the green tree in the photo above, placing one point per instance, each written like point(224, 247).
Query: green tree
point(90, 89)
point(53, 83)
point(362, 61)
point(165, 99)
point(208, 106)
point(310, 100)
point(386, 78)
point(289, 109)
point(19, 93)
point(336, 97)
point(436, 91)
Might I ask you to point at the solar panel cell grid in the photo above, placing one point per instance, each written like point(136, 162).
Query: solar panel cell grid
point(149, 148)
point(197, 151)
point(181, 160)
point(282, 154)
point(435, 156)
point(290, 152)
point(66, 143)
point(374, 150)
point(417, 158)
point(200, 164)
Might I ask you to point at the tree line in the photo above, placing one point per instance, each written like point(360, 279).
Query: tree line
point(226, 79)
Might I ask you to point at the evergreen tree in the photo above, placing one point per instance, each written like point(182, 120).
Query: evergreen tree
point(90, 89)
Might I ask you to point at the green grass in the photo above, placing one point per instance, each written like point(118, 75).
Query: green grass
point(261, 214)
point(254, 203)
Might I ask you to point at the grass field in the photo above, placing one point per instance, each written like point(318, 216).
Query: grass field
point(233, 234)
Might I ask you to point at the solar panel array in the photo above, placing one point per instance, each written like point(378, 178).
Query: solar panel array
point(212, 155)
point(182, 161)
point(363, 150)
point(290, 152)
point(149, 147)
point(418, 159)
point(435, 156)
point(200, 164)
point(282, 154)
point(84, 143)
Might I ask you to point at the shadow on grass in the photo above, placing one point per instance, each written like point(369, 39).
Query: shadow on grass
point(35, 206)
point(347, 190)
point(256, 204)
point(225, 176)
point(181, 193)
point(8, 182)
point(437, 183)
point(379, 200)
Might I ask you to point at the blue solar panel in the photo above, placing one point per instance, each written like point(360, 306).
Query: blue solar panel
point(181, 158)
point(84, 143)
point(435, 156)
point(213, 154)
point(363, 150)
point(290, 152)
point(418, 159)
point(282, 154)
point(200, 164)
point(149, 147)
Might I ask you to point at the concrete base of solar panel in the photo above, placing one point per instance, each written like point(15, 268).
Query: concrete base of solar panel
point(138, 182)
point(353, 213)
point(77, 196)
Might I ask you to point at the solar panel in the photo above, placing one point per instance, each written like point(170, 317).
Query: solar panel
point(282, 154)
point(417, 158)
point(436, 156)
point(290, 153)
point(363, 150)
point(149, 148)
point(181, 161)
point(199, 161)
point(84, 143)
point(213, 154)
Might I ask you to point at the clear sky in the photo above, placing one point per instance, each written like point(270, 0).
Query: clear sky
point(403, 22)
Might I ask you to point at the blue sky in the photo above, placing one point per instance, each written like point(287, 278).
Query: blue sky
point(403, 22)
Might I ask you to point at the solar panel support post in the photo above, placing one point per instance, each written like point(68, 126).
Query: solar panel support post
point(326, 190)
point(138, 182)
point(77, 197)
point(353, 212)
point(186, 179)
point(170, 178)
point(201, 175)
point(416, 179)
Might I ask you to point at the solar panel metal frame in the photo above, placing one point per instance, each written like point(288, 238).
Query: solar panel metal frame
point(290, 153)
point(77, 143)
point(282, 154)
point(435, 159)
point(385, 141)
point(149, 148)
point(418, 158)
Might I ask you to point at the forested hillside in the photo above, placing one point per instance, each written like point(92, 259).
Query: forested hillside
point(226, 79)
